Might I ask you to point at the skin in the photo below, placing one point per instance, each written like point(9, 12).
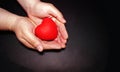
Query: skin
point(24, 26)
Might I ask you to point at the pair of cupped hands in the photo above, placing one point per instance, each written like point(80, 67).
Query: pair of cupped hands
point(25, 26)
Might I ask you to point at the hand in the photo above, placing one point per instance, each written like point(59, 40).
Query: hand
point(37, 10)
point(40, 10)
point(24, 30)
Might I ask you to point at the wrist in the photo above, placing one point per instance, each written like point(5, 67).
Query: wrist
point(27, 4)
point(7, 19)
point(12, 26)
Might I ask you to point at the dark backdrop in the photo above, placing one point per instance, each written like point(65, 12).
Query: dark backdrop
point(88, 48)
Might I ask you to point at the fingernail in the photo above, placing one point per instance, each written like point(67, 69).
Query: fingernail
point(64, 20)
point(39, 48)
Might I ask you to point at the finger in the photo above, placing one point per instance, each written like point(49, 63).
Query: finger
point(59, 39)
point(33, 40)
point(51, 45)
point(57, 14)
point(61, 29)
point(63, 41)
point(26, 43)
point(35, 20)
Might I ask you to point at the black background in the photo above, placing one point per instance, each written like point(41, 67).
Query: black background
point(89, 47)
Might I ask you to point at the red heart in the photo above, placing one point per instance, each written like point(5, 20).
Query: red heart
point(47, 30)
